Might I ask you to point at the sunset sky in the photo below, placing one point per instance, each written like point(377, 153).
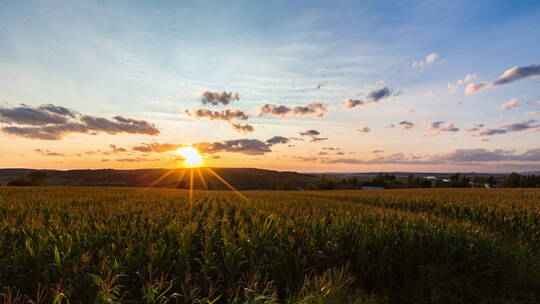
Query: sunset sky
point(311, 86)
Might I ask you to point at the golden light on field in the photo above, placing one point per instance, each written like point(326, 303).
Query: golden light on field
point(192, 157)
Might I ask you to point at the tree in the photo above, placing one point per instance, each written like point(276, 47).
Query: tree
point(513, 180)
point(37, 178)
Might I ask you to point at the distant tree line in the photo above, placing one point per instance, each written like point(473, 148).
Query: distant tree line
point(36, 178)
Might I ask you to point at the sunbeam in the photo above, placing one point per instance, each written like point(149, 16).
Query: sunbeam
point(227, 184)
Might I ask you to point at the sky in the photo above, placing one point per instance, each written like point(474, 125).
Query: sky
point(309, 86)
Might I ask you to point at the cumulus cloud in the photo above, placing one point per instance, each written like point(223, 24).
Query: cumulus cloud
point(242, 128)
point(119, 124)
point(479, 130)
point(475, 87)
point(214, 98)
point(40, 116)
point(242, 146)
point(512, 103)
point(517, 73)
point(277, 140)
point(405, 125)
point(427, 61)
point(372, 97)
point(364, 130)
point(312, 134)
point(316, 109)
point(453, 87)
point(50, 122)
point(228, 115)
point(510, 75)
point(436, 127)
point(351, 103)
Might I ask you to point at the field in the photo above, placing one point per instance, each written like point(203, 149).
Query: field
point(127, 245)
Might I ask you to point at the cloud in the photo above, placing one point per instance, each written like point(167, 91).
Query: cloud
point(377, 151)
point(242, 146)
point(478, 130)
point(405, 125)
point(119, 124)
point(517, 73)
point(316, 109)
point(58, 110)
point(26, 115)
point(483, 155)
point(458, 156)
point(372, 97)
point(136, 159)
point(351, 103)
point(48, 153)
point(375, 96)
point(475, 87)
point(155, 147)
point(50, 122)
point(364, 130)
point(226, 115)
point(454, 87)
point(116, 149)
point(427, 61)
point(277, 140)
point(312, 134)
point(243, 128)
point(214, 98)
point(410, 111)
point(436, 127)
point(510, 75)
point(512, 103)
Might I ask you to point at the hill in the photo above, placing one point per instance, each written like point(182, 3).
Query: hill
point(240, 178)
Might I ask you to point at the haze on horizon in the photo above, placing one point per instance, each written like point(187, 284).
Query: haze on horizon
point(307, 86)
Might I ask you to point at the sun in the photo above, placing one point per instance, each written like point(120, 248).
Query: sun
point(191, 156)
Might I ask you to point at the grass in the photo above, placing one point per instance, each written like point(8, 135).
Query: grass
point(122, 245)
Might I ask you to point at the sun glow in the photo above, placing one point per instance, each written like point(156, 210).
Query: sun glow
point(191, 156)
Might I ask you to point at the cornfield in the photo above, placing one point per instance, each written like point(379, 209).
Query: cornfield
point(124, 245)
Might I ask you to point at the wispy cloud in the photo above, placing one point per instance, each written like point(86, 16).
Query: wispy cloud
point(427, 61)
